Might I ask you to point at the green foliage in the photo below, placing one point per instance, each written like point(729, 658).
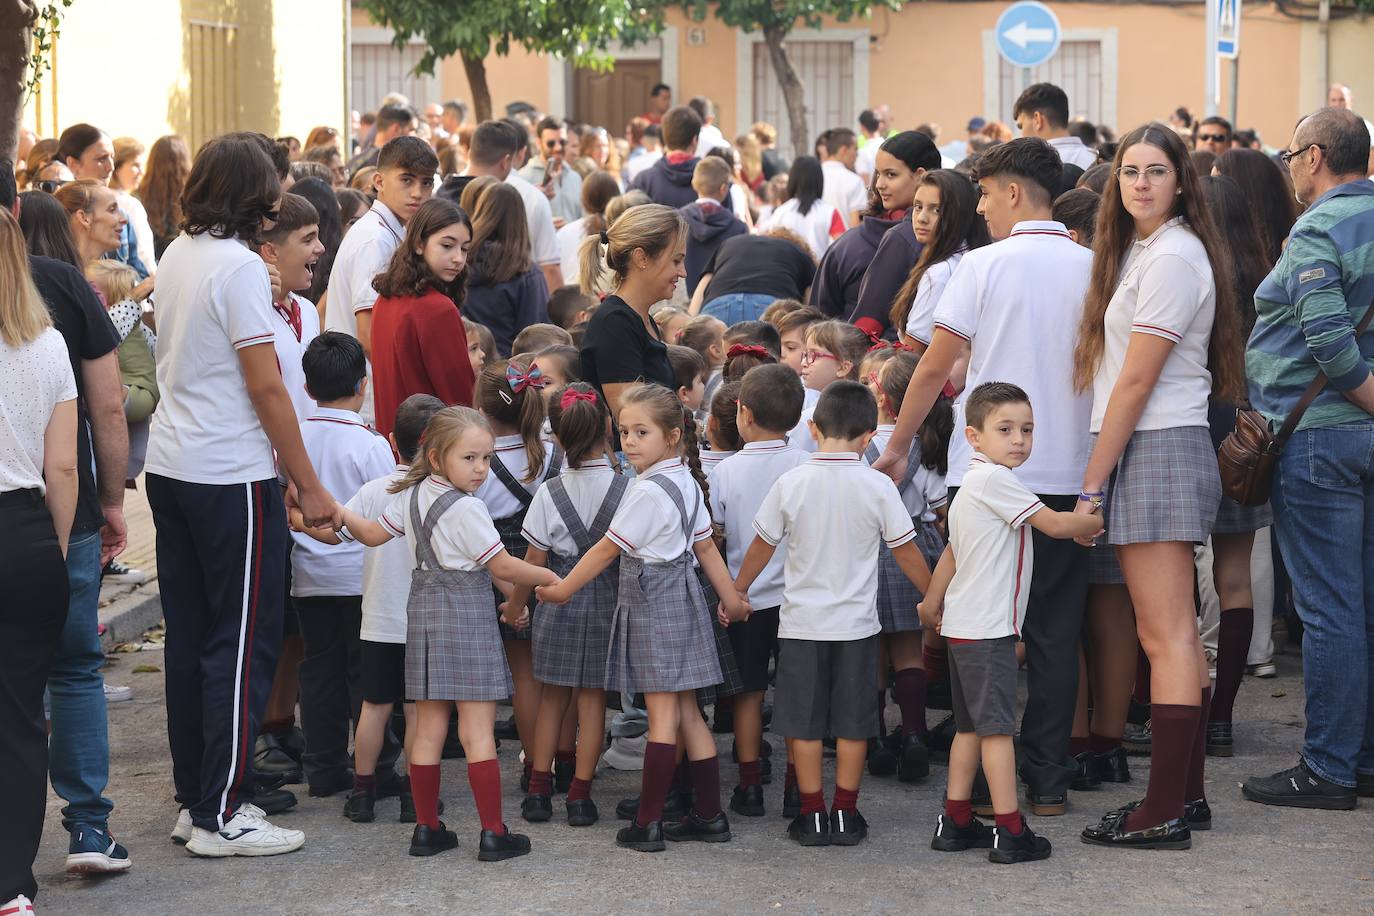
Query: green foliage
point(577, 29)
point(46, 30)
point(783, 14)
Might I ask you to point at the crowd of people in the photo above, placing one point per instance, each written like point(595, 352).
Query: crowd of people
point(893, 420)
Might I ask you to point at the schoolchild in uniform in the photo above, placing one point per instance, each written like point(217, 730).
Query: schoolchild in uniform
point(834, 512)
point(722, 431)
point(769, 402)
point(453, 643)
point(662, 640)
point(834, 350)
point(569, 515)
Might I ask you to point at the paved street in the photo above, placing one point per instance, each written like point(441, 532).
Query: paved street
point(1257, 859)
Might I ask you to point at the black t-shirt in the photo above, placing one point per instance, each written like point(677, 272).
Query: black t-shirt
point(617, 348)
point(759, 264)
point(89, 333)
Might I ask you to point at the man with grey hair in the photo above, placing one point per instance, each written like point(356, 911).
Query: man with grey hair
point(1338, 96)
point(1308, 313)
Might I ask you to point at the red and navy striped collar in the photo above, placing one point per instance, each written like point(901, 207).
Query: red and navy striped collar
point(765, 447)
point(1040, 227)
point(830, 459)
point(334, 415)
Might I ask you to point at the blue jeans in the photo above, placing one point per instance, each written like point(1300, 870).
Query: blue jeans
point(738, 307)
point(1324, 514)
point(79, 749)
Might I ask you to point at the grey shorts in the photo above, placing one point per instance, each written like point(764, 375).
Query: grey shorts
point(827, 689)
point(982, 681)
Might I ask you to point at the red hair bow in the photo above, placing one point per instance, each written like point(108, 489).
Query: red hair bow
point(571, 396)
point(748, 350)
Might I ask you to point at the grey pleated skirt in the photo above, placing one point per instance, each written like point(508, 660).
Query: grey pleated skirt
point(1166, 487)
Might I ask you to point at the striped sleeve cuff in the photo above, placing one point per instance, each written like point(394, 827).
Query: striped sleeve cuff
point(534, 541)
point(345, 535)
point(1157, 331)
point(953, 330)
point(701, 535)
point(490, 552)
point(389, 525)
point(899, 541)
point(1026, 513)
point(770, 539)
point(255, 340)
point(620, 541)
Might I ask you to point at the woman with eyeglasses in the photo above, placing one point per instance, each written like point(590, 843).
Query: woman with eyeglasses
point(1160, 334)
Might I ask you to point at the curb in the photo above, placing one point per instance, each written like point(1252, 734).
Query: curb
point(127, 617)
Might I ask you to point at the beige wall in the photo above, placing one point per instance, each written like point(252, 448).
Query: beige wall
point(130, 71)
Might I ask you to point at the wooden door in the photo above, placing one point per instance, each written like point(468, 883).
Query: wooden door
point(611, 99)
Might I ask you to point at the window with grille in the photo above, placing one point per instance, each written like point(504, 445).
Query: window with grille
point(379, 67)
point(1077, 69)
point(826, 69)
point(214, 80)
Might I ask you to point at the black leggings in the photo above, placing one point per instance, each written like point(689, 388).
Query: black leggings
point(33, 579)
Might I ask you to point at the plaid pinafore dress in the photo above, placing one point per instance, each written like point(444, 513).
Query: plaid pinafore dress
point(661, 638)
point(453, 647)
point(571, 640)
point(508, 526)
point(897, 596)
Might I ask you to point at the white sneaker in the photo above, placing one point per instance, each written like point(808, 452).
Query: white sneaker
point(115, 694)
point(181, 833)
point(247, 833)
point(1263, 669)
point(19, 906)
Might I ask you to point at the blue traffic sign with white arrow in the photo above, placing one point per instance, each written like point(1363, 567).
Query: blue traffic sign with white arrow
point(1027, 34)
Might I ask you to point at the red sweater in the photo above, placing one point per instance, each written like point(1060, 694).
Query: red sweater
point(418, 347)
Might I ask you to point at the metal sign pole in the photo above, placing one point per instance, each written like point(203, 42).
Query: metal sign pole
point(1235, 92)
point(1213, 63)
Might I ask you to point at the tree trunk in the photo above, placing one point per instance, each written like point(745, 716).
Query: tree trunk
point(16, 41)
point(791, 90)
point(476, 70)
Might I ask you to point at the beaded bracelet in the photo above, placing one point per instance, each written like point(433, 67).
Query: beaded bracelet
point(1093, 499)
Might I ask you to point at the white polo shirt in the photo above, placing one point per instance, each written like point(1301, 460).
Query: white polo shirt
point(346, 455)
point(920, 321)
point(648, 526)
point(464, 539)
point(1166, 290)
point(213, 299)
point(364, 252)
point(993, 553)
point(800, 435)
point(738, 487)
point(1018, 303)
point(291, 342)
point(844, 190)
point(711, 459)
point(586, 486)
point(501, 502)
point(1072, 151)
point(818, 227)
point(539, 216)
point(386, 569)
point(834, 511)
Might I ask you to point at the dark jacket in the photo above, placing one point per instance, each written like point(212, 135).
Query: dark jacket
point(707, 228)
point(668, 184)
point(891, 264)
point(841, 271)
point(506, 308)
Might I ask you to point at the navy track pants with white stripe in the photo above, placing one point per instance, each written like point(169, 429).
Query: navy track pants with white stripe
point(221, 566)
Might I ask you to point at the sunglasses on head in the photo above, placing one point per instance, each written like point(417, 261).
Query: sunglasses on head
point(50, 186)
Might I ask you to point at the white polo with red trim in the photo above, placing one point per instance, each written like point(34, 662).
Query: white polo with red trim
point(993, 553)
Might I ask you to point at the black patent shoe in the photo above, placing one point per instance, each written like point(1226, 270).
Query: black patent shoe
point(696, 829)
point(271, 758)
point(881, 761)
point(913, 763)
point(493, 847)
point(648, 838)
point(748, 801)
point(1220, 740)
point(563, 772)
point(1112, 766)
point(427, 841)
point(950, 837)
point(582, 812)
point(1197, 813)
point(810, 829)
point(847, 827)
point(275, 801)
point(791, 802)
point(1009, 848)
point(675, 806)
point(536, 808)
point(1111, 831)
point(360, 806)
point(1087, 777)
point(408, 808)
point(940, 738)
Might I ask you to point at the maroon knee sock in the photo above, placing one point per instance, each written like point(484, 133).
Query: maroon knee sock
point(845, 799)
point(541, 782)
point(659, 763)
point(1174, 729)
point(682, 775)
point(565, 757)
point(1233, 645)
point(813, 802)
point(789, 781)
point(1012, 823)
point(1078, 746)
point(706, 782)
point(485, 779)
point(1101, 744)
point(580, 790)
point(1197, 763)
point(750, 773)
point(363, 783)
point(424, 789)
point(1142, 678)
point(959, 810)
point(934, 660)
point(909, 688)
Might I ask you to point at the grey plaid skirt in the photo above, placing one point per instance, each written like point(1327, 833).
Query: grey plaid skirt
point(731, 680)
point(571, 640)
point(1166, 487)
point(897, 595)
point(453, 646)
point(661, 637)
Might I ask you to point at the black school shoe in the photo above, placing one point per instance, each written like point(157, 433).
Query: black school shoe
point(940, 738)
point(648, 838)
point(275, 801)
point(493, 846)
point(791, 802)
point(913, 762)
point(426, 841)
point(272, 759)
point(1112, 766)
point(847, 827)
point(1197, 813)
point(695, 828)
point(582, 812)
point(810, 829)
point(675, 806)
point(1009, 848)
point(950, 837)
point(325, 785)
point(1220, 739)
point(881, 761)
point(748, 801)
point(536, 808)
point(408, 808)
point(1111, 831)
point(361, 806)
point(1087, 778)
point(1298, 787)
